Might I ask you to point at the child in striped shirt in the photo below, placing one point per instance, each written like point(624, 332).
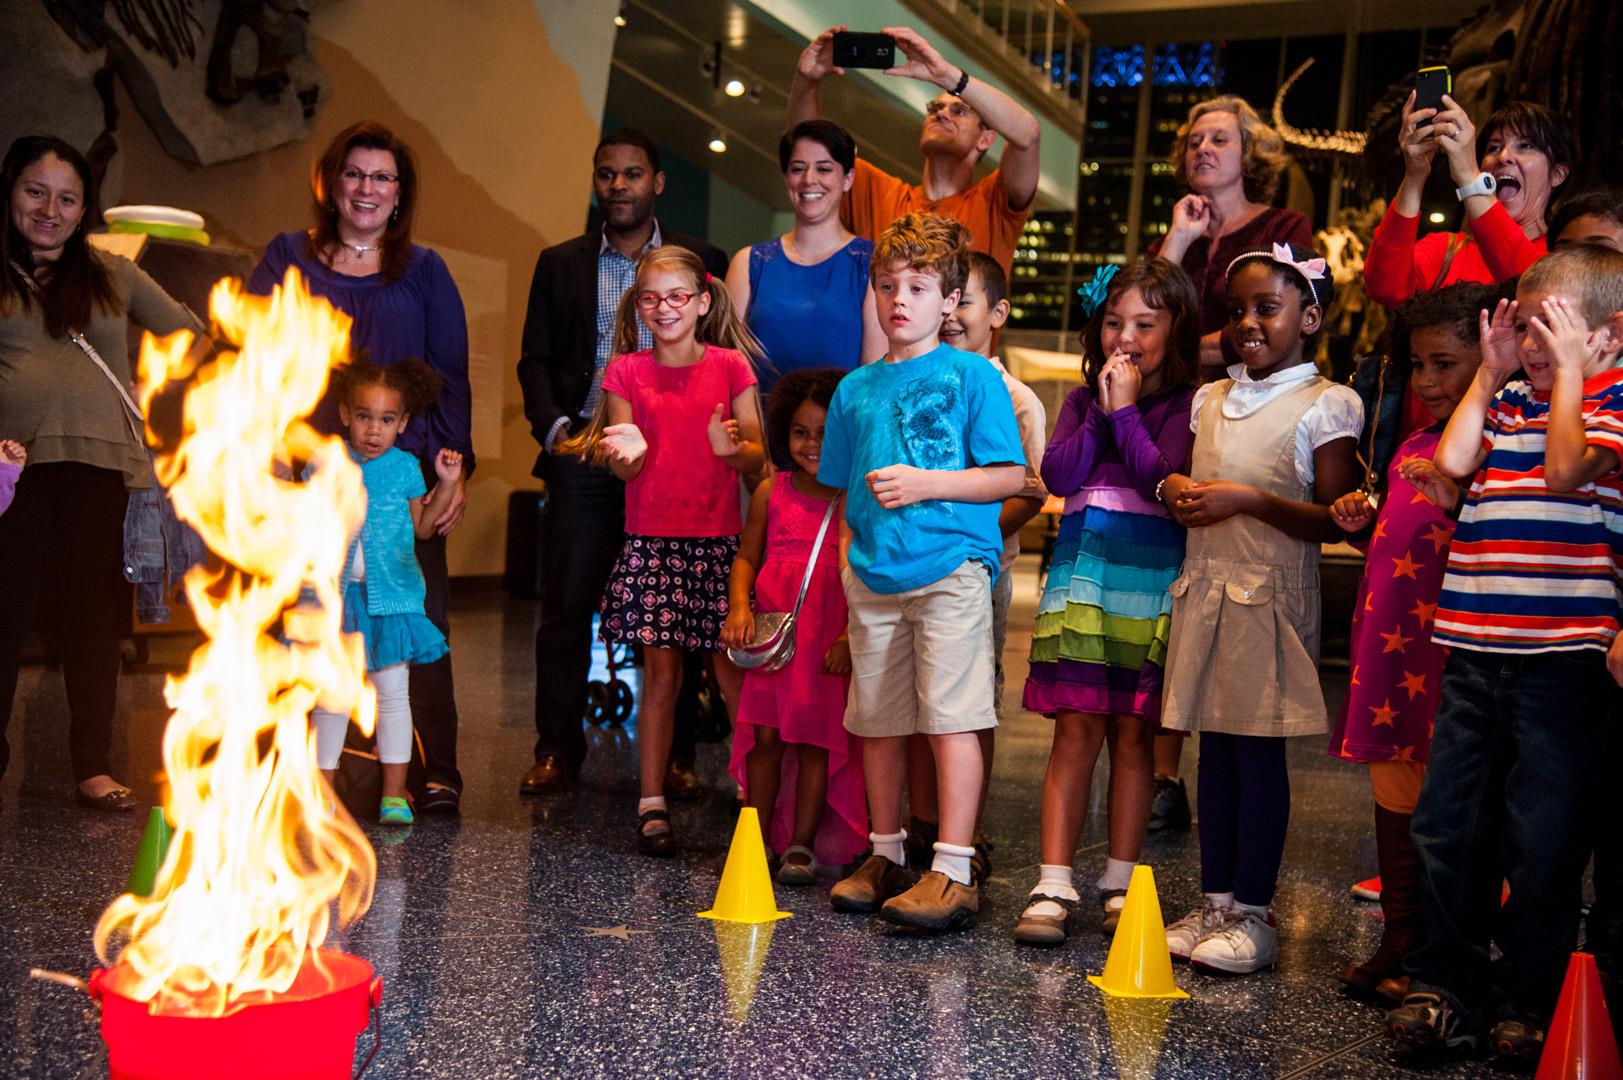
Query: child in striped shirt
point(1529, 607)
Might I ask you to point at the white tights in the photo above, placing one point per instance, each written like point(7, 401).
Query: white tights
point(394, 721)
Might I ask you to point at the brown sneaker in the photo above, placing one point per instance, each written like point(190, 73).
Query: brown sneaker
point(935, 904)
point(875, 881)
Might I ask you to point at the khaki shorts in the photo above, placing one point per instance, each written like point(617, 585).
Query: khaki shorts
point(921, 660)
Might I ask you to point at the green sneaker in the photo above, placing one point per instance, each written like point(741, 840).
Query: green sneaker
point(392, 811)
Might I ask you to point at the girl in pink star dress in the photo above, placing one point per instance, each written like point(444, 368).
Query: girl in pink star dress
point(1392, 697)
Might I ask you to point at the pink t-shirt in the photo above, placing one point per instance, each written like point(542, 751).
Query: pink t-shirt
point(684, 489)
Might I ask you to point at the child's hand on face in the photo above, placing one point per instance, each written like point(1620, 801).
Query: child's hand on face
point(896, 486)
point(448, 466)
point(1498, 334)
point(837, 661)
point(624, 443)
point(739, 627)
point(1430, 481)
point(724, 440)
point(1563, 335)
point(13, 453)
point(1208, 502)
point(1352, 512)
point(1119, 382)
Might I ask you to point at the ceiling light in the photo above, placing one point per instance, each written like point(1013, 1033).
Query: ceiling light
point(1437, 217)
point(734, 88)
point(619, 20)
point(717, 144)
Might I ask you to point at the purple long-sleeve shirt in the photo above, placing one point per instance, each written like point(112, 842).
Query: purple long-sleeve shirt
point(8, 483)
point(1135, 447)
point(419, 317)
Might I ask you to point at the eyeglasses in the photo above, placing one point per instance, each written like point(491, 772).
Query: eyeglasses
point(677, 300)
point(383, 179)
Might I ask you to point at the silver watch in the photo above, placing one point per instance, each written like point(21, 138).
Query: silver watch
point(1482, 185)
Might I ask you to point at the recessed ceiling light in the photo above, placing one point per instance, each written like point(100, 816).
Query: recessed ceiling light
point(734, 88)
point(619, 20)
point(718, 145)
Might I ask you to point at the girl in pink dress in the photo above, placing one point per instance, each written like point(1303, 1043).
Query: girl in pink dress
point(811, 800)
point(1392, 698)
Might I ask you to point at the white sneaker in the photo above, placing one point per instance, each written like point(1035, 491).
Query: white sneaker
point(1246, 942)
point(1189, 931)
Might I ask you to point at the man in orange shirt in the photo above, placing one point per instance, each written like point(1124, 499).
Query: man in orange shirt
point(960, 125)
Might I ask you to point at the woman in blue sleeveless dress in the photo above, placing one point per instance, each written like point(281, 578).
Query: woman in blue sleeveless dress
point(806, 294)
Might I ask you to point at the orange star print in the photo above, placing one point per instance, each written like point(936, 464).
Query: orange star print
point(1395, 641)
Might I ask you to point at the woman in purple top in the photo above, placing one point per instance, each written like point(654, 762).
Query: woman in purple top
point(1102, 621)
point(1231, 163)
point(360, 257)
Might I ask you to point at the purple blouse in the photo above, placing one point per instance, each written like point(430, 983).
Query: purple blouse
point(1136, 447)
point(418, 317)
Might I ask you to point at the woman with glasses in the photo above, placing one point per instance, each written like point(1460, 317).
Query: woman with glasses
point(359, 256)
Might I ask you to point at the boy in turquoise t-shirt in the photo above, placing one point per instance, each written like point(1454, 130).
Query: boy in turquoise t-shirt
point(925, 445)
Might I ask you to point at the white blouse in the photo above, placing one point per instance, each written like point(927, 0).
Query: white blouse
point(1337, 414)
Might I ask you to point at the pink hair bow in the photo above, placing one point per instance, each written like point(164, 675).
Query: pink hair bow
point(1311, 269)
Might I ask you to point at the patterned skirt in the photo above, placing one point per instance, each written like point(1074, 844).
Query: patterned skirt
point(669, 592)
point(1101, 636)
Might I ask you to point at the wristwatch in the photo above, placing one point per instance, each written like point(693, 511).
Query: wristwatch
point(1482, 185)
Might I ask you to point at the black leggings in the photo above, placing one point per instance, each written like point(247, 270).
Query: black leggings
point(1245, 806)
point(61, 560)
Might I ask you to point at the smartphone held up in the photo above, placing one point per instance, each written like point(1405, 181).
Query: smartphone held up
point(858, 50)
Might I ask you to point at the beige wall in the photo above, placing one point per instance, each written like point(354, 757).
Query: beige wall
point(502, 100)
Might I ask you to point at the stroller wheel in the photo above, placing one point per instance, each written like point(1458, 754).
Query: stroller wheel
point(599, 707)
point(619, 710)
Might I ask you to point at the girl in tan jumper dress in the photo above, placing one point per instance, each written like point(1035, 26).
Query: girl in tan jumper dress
point(1273, 449)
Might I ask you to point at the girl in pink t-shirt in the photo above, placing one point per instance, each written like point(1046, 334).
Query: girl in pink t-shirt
point(679, 423)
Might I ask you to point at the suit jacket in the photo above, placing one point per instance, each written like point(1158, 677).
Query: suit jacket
point(558, 357)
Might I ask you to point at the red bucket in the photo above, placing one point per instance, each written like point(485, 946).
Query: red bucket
point(308, 1033)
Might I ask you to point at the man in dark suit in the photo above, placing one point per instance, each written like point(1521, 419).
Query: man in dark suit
point(568, 336)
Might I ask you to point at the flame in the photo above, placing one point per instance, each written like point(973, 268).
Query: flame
point(260, 850)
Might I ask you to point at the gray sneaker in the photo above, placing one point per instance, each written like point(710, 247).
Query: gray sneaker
point(1189, 931)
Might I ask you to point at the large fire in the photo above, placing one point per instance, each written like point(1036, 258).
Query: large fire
point(260, 850)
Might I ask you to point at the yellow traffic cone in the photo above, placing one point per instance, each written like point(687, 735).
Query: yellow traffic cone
point(742, 952)
point(745, 892)
point(1139, 965)
point(150, 855)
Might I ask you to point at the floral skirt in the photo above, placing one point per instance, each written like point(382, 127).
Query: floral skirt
point(669, 592)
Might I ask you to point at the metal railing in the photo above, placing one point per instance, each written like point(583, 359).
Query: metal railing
point(1046, 34)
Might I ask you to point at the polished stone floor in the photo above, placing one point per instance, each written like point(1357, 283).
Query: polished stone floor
point(528, 939)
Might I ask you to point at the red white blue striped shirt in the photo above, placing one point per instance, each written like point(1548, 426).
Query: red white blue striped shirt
point(1530, 569)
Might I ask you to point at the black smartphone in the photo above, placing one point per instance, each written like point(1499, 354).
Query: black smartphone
point(1430, 84)
point(853, 50)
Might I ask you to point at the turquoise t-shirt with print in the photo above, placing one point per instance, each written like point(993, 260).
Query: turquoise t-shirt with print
point(945, 410)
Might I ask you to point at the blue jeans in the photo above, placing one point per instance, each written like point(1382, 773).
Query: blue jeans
point(1511, 792)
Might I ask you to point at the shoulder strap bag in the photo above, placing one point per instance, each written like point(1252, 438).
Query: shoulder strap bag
point(772, 645)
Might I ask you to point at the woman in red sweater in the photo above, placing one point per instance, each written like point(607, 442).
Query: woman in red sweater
point(1525, 151)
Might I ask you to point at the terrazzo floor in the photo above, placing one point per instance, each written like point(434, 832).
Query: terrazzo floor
point(527, 939)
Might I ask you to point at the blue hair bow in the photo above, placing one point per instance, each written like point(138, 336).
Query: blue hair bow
point(1093, 293)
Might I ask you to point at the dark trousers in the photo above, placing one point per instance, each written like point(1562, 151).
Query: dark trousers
point(61, 567)
point(1511, 791)
point(582, 536)
point(1245, 807)
point(433, 694)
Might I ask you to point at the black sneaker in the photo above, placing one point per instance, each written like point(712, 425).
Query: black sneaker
point(1170, 810)
point(1519, 1040)
point(1431, 1021)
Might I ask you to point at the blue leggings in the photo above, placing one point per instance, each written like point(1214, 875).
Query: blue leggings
point(1245, 806)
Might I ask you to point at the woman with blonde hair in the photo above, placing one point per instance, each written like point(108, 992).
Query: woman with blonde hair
point(1230, 162)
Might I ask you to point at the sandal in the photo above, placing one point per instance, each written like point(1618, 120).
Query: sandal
point(662, 844)
point(791, 872)
point(1034, 929)
point(1112, 915)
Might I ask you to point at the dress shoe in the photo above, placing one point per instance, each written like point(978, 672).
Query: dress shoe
point(440, 800)
point(549, 773)
point(117, 801)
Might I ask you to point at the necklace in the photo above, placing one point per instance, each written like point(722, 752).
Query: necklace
point(360, 250)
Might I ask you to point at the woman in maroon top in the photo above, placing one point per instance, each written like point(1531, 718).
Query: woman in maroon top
point(1231, 163)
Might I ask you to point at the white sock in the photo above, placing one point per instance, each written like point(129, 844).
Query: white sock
point(890, 845)
point(1223, 900)
point(655, 803)
point(1118, 873)
point(1260, 910)
point(1052, 880)
point(952, 860)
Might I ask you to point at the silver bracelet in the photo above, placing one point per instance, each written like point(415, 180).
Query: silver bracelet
point(1159, 484)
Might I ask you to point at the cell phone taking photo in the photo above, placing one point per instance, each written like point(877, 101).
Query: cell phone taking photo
point(856, 50)
point(1430, 84)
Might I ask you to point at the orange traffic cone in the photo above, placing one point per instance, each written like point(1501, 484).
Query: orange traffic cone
point(1580, 1044)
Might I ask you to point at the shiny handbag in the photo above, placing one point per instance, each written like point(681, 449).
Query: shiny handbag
point(772, 645)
